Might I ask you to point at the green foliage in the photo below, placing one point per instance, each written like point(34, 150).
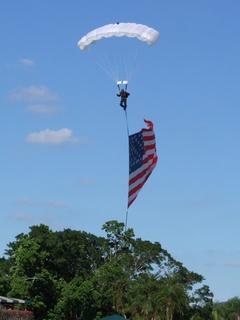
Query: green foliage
point(112, 282)
point(144, 297)
point(76, 275)
point(229, 310)
point(79, 301)
point(202, 304)
point(5, 266)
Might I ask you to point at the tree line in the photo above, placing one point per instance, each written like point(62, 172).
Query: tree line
point(76, 275)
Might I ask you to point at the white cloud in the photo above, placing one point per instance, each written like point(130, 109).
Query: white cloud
point(43, 109)
point(52, 137)
point(233, 264)
point(27, 62)
point(55, 203)
point(33, 93)
point(28, 201)
point(23, 217)
point(24, 200)
point(86, 181)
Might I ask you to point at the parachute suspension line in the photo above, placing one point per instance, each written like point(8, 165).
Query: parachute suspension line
point(110, 73)
point(126, 219)
point(122, 58)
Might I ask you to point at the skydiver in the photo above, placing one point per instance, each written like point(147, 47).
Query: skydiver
point(124, 95)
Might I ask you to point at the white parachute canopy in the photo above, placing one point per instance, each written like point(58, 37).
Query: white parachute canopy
point(120, 55)
point(131, 30)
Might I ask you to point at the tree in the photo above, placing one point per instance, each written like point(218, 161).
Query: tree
point(112, 282)
point(74, 275)
point(5, 266)
point(173, 296)
point(143, 298)
point(229, 310)
point(119, 241)
point(79, 301)
point(202, 304)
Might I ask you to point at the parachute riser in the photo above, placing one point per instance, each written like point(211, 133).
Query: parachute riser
point(121, 82)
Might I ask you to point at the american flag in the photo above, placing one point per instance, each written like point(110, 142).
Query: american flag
point(142, 159)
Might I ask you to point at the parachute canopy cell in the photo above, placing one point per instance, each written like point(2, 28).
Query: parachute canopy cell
point(131, 30)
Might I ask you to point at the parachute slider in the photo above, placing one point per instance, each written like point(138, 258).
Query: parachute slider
point(122, 82)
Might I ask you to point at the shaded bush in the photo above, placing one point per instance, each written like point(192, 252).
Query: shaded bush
point(16, 315)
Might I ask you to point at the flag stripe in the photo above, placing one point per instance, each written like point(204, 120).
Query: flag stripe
point(142, 159)
point(141, 171)
point(135, 186)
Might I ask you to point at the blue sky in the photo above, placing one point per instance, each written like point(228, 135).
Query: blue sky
point(64, 148)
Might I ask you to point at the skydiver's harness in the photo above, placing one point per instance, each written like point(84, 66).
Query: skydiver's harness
point(119, 83)
point(123, 93)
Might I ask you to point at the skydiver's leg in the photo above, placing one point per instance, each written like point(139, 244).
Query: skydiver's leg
point(122, 103)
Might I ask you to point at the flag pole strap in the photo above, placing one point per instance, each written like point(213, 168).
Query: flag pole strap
point(126, 219)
